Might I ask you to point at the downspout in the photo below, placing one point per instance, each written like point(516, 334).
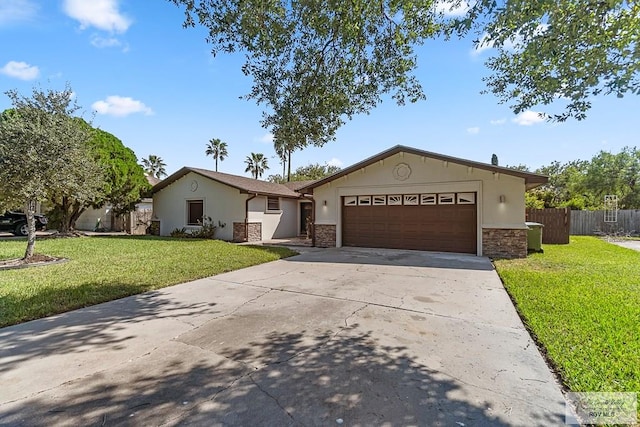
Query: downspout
point(313, 218)
point(246, 216)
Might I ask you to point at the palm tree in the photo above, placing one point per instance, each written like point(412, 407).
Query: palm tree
point(281, 152)
point(217, 149)
point(154, 166)
point(283, 147)
point(256, 164)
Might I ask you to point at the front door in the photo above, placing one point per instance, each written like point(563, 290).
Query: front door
point(305, 217)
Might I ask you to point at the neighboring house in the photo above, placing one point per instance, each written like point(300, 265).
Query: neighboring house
point(92, 219)
point(152, 180)
point(402, 198)
point(135, 222)
point(104, 219)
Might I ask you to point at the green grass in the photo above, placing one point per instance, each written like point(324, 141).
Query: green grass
point(582, 302)
point(106, 268)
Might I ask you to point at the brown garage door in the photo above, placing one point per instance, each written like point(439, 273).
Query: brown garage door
point(447, 228)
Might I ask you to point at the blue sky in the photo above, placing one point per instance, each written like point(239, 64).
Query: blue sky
point(156, 86)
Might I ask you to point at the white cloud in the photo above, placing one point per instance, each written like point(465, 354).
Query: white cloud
point(335, 162)
point(452, 8)
point(20, 70)
point(473, 131)
point(485, 44)
point(101, 14)
point(561, 96)
point(510, 45)
point(498, 122)
point(101, 42)
point(267, 138)
point(16, 11)
point(528, 118)
point(120, 106)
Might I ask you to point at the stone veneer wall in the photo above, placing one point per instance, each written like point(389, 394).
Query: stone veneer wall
point(325, 235)
point(255, 232)
point(238, 232)
point(504, 243)
point(154, 228)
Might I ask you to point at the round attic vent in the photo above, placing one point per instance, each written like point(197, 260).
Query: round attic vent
point(401, 172)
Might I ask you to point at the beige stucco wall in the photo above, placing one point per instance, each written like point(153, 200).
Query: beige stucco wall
point(221, 203)
point(288, 226)
point(428, 176)
point(275, 224)
point(89, 218)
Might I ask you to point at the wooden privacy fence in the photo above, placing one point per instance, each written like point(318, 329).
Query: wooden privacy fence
point(589, 223)
point(134, 222)
point(557, 223)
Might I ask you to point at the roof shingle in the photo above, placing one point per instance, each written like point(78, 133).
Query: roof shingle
point(242, 183)
point(297, 185)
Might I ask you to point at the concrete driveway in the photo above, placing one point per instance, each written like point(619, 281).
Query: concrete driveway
point(629, 244)
point(331, 337)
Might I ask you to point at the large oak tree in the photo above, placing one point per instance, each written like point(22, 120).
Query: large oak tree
point(43, 150)
point(315, 63)
point(561, 52)
point(123, 181)
point(309, 172)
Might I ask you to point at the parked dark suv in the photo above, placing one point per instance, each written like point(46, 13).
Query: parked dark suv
point(16, 223)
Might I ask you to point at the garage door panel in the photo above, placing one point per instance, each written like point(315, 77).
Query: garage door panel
point(379, 228)
point(449, 228)
point(394, 228)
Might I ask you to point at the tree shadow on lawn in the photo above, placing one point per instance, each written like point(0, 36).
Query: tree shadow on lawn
point(79, 330)
point(151, 238)
point(146, 237)
point(282, 379)
point(281, 251)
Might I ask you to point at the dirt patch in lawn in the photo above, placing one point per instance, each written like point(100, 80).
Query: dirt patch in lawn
point(36, 260)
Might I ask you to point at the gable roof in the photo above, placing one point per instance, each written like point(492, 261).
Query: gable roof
point(152, 180)
point(242, 183)
point(297, 185)
point(531, 180)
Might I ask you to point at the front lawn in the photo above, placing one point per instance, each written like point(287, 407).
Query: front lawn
point(582, 302)
point(106, 268)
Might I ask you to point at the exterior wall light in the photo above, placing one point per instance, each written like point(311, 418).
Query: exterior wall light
point(324, 203)
point(502, 198)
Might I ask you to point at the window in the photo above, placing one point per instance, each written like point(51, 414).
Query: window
point(364, 200)
point(410, 199)
point(350, 200)
point(466, 198)
point(427, 199)
point(394, 200)
point(195, 212)
point(446, 199)
point(273, 203)
point(379, 200)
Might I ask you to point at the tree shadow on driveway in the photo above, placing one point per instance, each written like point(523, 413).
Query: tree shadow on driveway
point(284, 379)
point(103, 325)
point(394, 257)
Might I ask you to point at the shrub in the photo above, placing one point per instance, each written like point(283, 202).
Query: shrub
point(179, 232)
point(207, 228)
